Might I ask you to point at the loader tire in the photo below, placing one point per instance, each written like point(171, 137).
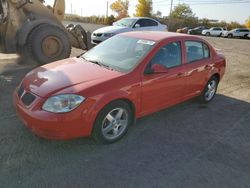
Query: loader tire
point(47, 43)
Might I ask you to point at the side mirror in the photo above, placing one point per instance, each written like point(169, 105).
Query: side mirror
point(156, 68)
point(137, 25)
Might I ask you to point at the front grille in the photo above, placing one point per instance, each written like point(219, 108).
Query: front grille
point(97, 41)
point(97, 34)
point(20, 91)
point(28, 98)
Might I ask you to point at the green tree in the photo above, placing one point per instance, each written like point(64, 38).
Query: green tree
point(182, 11)
point(120, 7)
point(233, 25)
point(144, 8)
point(248, 22)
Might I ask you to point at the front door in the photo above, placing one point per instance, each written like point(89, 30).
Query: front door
point(160, 90)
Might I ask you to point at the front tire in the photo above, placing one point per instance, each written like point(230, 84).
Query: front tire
point(207, 34)
point(112, 122)
point(210, 90)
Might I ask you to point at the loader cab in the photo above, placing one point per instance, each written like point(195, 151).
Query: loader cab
point(3, 19)
point(3, 11)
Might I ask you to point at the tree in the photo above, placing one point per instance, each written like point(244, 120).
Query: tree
point(182, 11)
point(120, 7)
point(158, 14)
point(248, 22)
point(144, 8)
point(233, 25)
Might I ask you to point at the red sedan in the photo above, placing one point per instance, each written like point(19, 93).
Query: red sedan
point(128, 76)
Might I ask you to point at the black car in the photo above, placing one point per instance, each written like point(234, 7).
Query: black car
point(197, 30)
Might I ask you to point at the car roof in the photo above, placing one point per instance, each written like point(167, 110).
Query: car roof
point(139, 18)
point(158, 36)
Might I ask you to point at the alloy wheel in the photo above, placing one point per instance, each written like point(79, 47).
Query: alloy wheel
point(211, 89)
point(115, 123)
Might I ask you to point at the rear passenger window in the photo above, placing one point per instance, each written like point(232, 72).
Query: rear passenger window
point(206, 51)
point(217, 29)
point(151, 23)
point(196, 51)
point(244, 30)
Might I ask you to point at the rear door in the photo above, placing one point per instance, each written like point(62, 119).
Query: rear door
point(198, 63)
point(217, 31)
point(243, 32)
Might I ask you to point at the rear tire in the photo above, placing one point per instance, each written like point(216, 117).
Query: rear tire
point(210, 90)
point(47, 43)
point(112, 122)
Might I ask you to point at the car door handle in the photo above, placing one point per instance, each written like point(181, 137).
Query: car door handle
point(180, 74)
point(207, 67)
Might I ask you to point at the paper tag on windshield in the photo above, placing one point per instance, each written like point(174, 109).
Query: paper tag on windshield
point(148, 42)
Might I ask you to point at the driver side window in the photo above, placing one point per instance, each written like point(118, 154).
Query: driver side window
point(142, 23)
point(168, 55)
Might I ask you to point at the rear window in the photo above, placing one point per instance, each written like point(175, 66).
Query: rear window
point(196, 50)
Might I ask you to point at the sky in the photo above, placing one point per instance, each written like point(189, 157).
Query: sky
point(228, 10)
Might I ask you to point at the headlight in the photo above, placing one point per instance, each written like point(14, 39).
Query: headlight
point(62, 103)
point(109, 34)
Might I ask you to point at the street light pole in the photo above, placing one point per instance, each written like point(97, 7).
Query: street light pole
point(169, 21)
point(107, 10)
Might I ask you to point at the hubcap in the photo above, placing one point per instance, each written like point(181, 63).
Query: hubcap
point(211, 89)
point(115, 123)
point(51, 46)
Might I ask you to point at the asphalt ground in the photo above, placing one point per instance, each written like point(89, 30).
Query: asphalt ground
point(189, 145)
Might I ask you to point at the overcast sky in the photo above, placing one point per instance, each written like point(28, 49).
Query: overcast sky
point(229, 10)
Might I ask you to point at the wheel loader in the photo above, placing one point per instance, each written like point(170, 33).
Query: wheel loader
point(35, 31)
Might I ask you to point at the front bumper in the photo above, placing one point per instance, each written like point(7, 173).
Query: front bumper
point(54, 126)
point(98, 39)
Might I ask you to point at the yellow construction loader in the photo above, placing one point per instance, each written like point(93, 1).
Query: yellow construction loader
point(36, 32)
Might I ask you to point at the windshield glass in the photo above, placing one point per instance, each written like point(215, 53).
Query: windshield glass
point(127, 22)
point(120, 53)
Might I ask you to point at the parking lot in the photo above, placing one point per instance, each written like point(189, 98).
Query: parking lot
point(189, 145)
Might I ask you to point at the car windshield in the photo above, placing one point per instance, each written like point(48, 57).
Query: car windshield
point(127, 22)
point(120, 53)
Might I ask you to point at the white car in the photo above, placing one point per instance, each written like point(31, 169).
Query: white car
point(238, 32)
point(213, 31)
point(126, 25)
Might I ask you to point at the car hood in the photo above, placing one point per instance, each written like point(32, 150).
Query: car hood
point(54, 77)
point(113, 29)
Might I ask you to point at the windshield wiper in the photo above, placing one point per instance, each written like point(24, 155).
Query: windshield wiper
point(81, 55)
point(98, 63)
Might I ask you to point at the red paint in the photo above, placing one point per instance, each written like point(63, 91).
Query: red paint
point(100, 86)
